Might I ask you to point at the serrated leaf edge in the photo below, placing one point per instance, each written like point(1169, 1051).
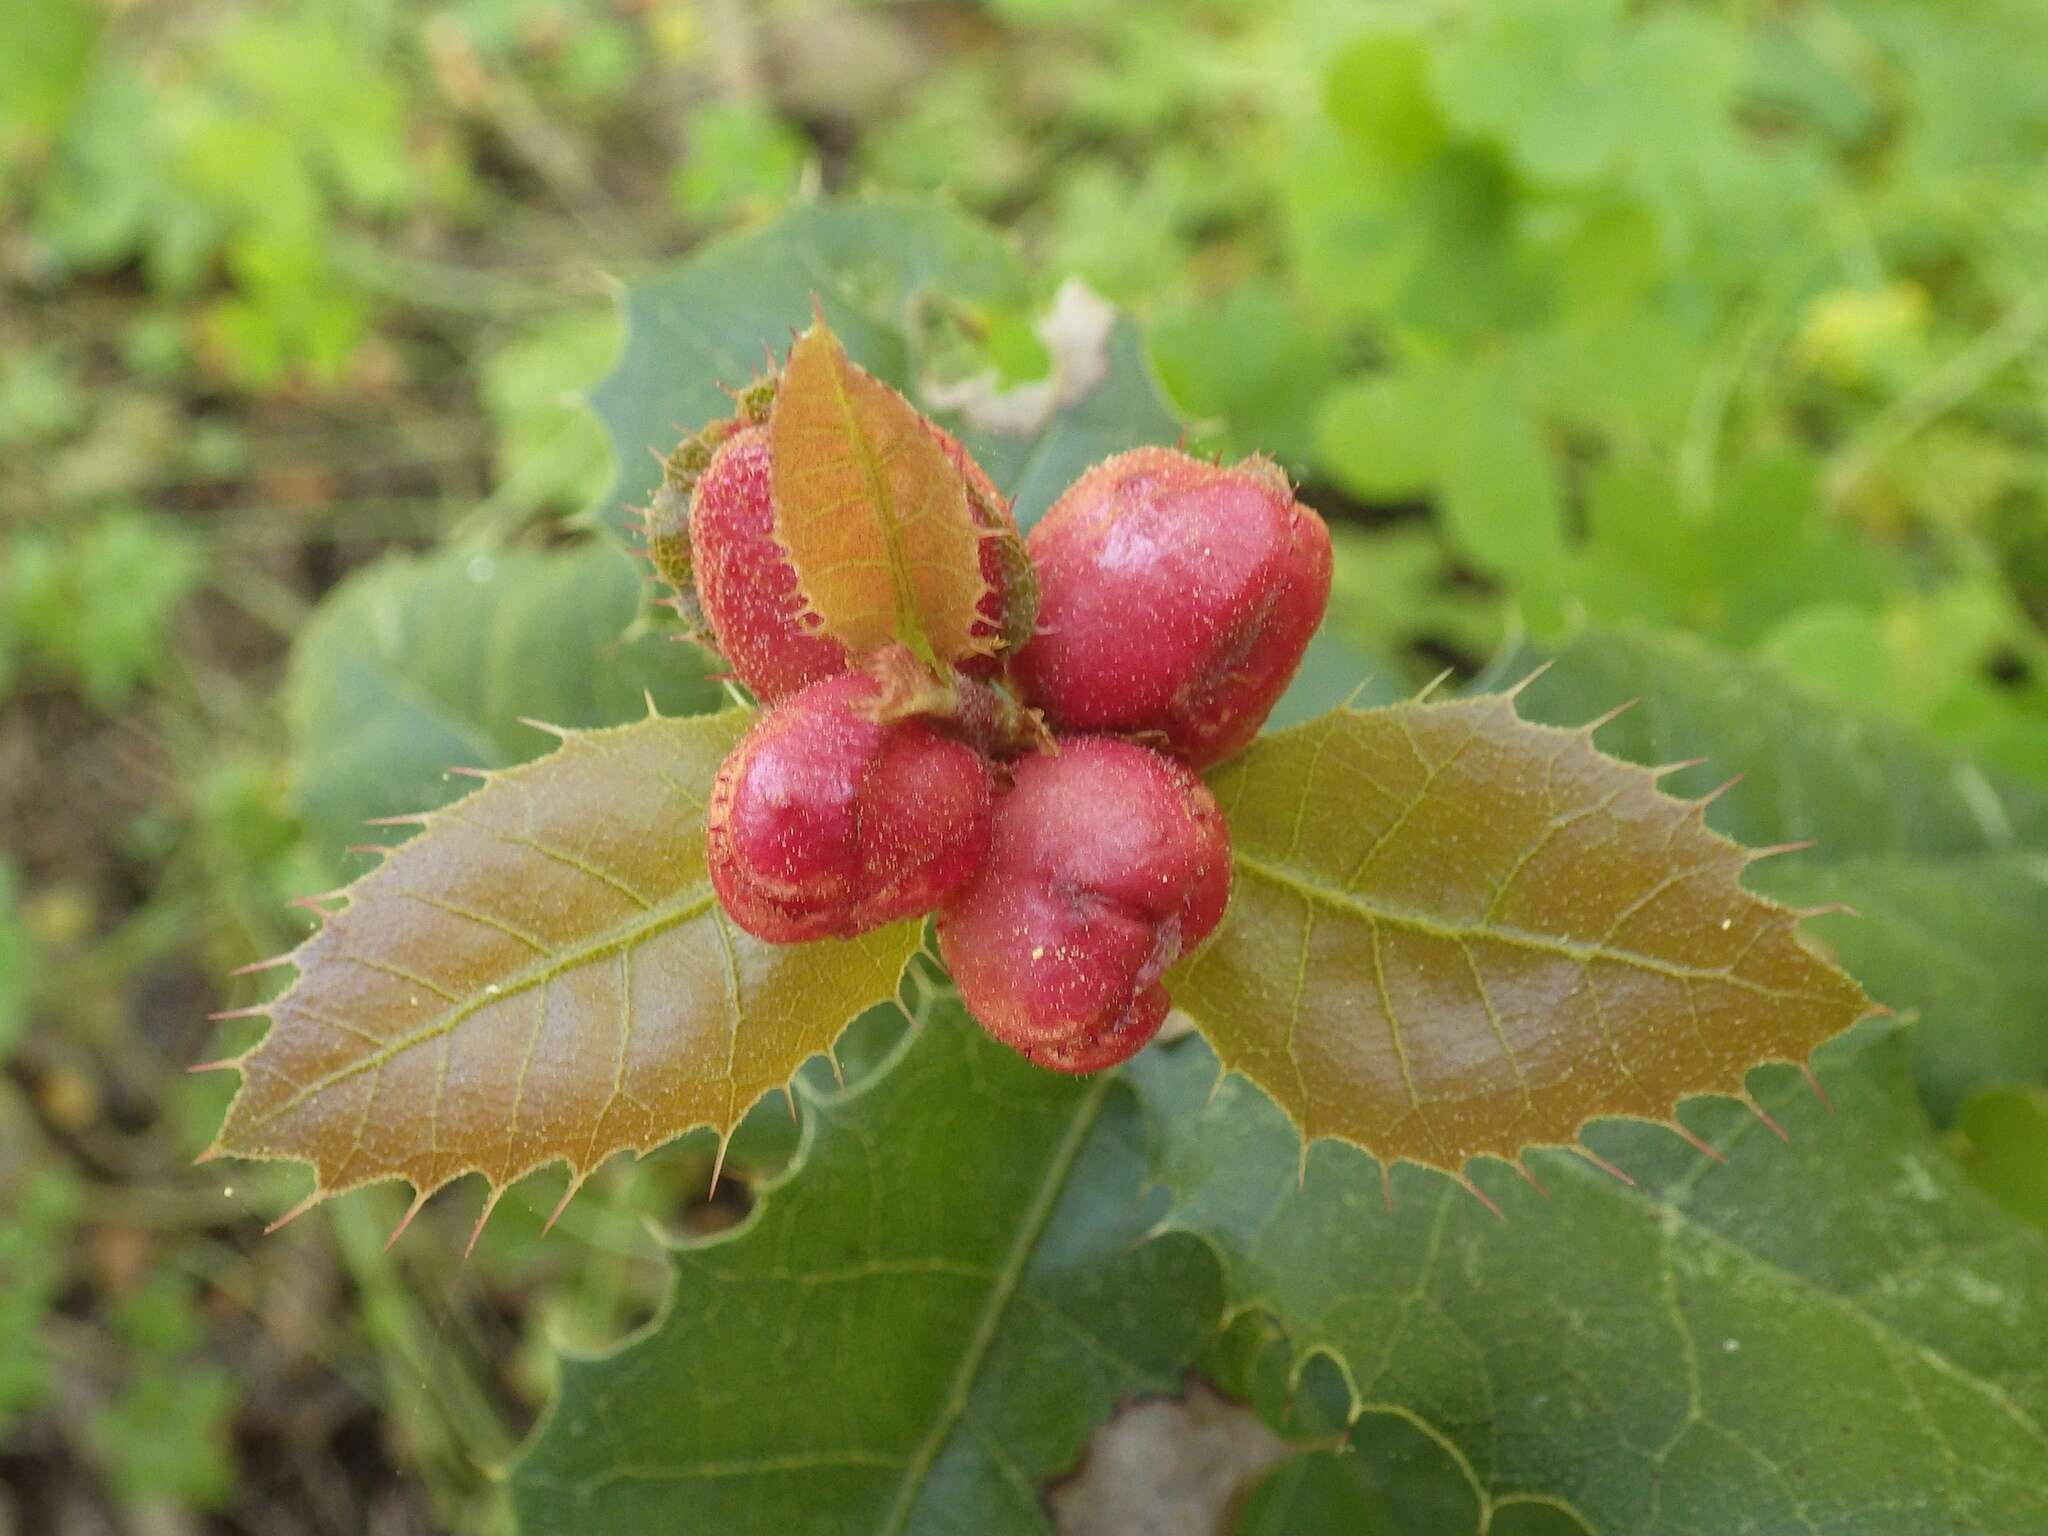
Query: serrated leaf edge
point(1696, 806)
point(494, 1191)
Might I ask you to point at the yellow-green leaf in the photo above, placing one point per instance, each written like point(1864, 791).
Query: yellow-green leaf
point(1457, 934)
point(543, 975)
point(874, 515)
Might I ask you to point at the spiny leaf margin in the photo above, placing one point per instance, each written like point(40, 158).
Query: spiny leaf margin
point(483, 882)
point(873, 515)
point(1277, 990)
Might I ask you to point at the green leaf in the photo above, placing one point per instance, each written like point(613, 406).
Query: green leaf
point(1836, 1335)
point(37, 1217)
point(17, 960)
point(417, 666)
point(740, 159)
point(918, 1327)
point(1503, 500)
point(877, 270)
point(2004, 1148)
point(46, 50)
point(1857, 786)
point(1958, 941)
point(543, 974)
point(549, 451)
point(1387, 437)
point(1941, 855)
point(714, 319)
point(1455, 934)
point(1252, 365)
point(96, 603)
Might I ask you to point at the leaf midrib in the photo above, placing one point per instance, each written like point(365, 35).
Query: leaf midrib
point(1517, 938)
point(693, 902)
point(909, 622)
point(1011, 1274)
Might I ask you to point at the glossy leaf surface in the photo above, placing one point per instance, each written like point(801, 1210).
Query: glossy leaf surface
point(1455, 934)
point(543, 975)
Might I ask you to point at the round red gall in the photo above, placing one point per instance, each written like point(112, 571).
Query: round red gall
point(745, 583)
point(823, 823)
point(1176, 598)
point(1108, 863)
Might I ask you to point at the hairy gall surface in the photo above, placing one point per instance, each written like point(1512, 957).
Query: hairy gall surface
point(1175, 600)
point(744, 583)
point(1109, 862)
point(824, 823)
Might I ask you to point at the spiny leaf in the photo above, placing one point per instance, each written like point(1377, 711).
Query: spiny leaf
point(1838, 1335)
point(543, 974)
point(873, 514)
point(924, 1319)
point(1456, 934)
point(1938, 855)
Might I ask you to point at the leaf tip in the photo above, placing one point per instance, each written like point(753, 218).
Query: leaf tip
point(1698, 1143)
point(419, 1198)
point(561, 1205)
point(1465, 1182)
point(1599, 722)
point(490, 1204)
point(1758, 855)
point(292, 1215)
point(1422, 694)
point(1586, 1152)
point(1716, 792)
point(1764, 1117)
point(1517, 690)
point(1813, 1082)
point(1666, 770)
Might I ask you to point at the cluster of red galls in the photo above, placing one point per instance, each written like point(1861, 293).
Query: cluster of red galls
point(1174, 600)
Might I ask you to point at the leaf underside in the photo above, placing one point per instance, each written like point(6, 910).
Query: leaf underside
point(543, 974)
point(874, 516)
point(1457, 934)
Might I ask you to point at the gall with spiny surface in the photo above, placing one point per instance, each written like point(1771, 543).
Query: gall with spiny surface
point(1176, 598)
point(1108, 863)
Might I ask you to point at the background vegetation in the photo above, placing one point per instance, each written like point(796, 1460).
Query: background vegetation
point(1723, 321)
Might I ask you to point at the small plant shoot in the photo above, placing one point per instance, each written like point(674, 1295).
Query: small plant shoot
point(1434, 930)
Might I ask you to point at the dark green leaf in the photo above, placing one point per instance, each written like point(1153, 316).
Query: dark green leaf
point(1835, 1335)
point(919, 1326)
point(419, 666)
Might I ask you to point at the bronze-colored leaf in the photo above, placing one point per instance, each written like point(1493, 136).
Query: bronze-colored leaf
point(1457, 934)
point(873, 514)
point(543, 975)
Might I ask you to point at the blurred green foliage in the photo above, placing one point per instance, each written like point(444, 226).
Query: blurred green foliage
point(1706, 317)
point(1681, 313)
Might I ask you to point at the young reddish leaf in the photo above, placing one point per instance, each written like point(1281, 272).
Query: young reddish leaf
point(1456, 934)
point(543, 974)
point(873, 514)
